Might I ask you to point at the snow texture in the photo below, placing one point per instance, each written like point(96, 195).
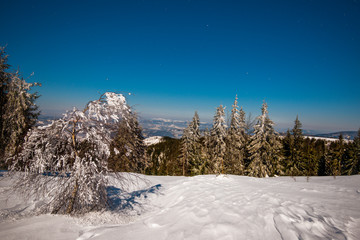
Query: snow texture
point(152, 140)
point(201, 207)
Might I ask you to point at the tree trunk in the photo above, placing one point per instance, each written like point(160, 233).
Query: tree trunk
point(73, 198)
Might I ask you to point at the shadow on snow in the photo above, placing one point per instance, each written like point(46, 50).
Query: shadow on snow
point(121, 200)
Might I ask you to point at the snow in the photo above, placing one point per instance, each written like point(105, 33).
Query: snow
point(152, 140)
point(328, 139)
point(201, 207)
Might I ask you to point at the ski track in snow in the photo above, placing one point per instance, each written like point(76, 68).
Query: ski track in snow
point(210, 207)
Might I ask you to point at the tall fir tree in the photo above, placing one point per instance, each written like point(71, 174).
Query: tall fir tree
point(352, 156)
point(309, 159)
point(127, 149)
point(185, 150)
point(17, 108)
point(294, 156)
point(217, 141)
point(334, 156)
point(195, 161)
point(206, 167)
point(264, 148)
point(320, 150)
point(4, 85)
point(236, 141)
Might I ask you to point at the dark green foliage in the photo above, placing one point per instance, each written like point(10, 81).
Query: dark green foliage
point(319, 147)
point(163, 158)
point(334, 157)
point(295, 165)
point(4, 84)
point(351, 159)
point(309, 163)
point(127, 150)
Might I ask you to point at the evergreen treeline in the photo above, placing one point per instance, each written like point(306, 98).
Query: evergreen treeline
point(231, 150)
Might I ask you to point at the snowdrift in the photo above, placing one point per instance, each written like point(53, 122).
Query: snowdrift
point(201, 207)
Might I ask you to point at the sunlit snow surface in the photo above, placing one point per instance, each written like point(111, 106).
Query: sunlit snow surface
point(202, 207)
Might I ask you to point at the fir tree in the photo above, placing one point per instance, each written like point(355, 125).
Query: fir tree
point(309, 160)
point(352, 157)
point(195, 161)
point(236, 141)
point(206, 166)
point(294, 154)
point(185, 150)
point(320, 150)
point(217, 141)
point(4, 85)
point(264, 148)
point(334, 156)
point(127, 148)
point(18, 111)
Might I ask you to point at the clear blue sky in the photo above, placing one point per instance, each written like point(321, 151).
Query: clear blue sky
point(302, 57)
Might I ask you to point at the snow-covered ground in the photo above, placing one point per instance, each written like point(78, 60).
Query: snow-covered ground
point(152, 140)
point(202, 207)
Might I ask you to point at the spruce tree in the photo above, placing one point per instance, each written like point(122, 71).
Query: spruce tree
point(18, 111)
point(127, 148)
point(185, 150)
point(334, 156)
point(206, 166)
point(320, 150)
point(309, 160)
point(352, 159)
point(217, 141)
point(294, 156)
point(195, 162)
point(264, 148)
point(4, 85)
point(236, 141)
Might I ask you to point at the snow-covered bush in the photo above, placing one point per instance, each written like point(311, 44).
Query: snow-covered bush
point(65, 162)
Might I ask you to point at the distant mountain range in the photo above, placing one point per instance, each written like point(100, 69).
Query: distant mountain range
point(174, 128)
point(349, 135)
point(166, 127)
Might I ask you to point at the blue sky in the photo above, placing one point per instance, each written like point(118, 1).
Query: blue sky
point(175, 57)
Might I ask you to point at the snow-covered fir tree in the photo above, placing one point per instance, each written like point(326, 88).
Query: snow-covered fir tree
point(18, 111)
point(128, 148)
point(190, 151)
point(264, 148)
point(185, 150)
point(236, 141)
point(195, 156)
point(4, 84)
point(217, 141)
point(66, 162)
